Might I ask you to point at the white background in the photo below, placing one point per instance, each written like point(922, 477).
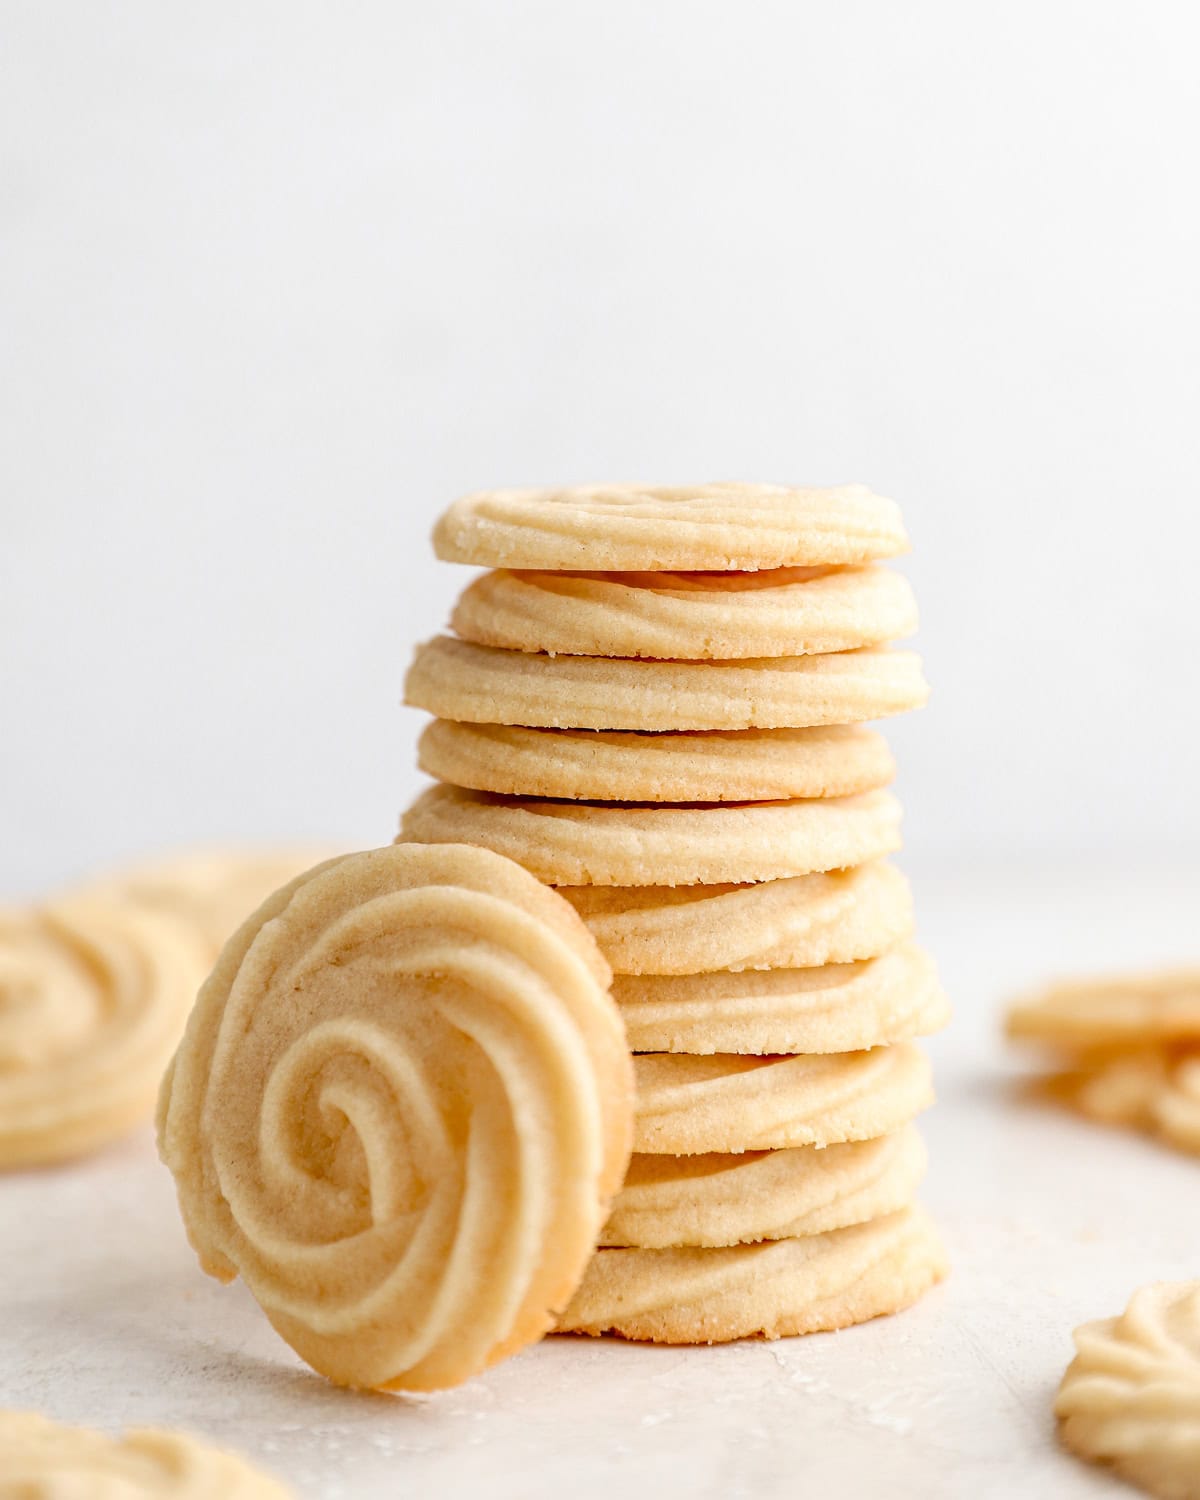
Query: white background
point(280, 280)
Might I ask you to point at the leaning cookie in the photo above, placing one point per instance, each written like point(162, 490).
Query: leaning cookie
point(400, 1111)
point(94, 995)
point(657, 528)
point(727, 1199)
point(774, 1289)
point(689, 1106)
point(582, 843)
point(798, 922)
point(1131, 1396)
point(834, 1008)
point(487, 685)
point(39, 1458)
point(677, 616)
point(747, 765)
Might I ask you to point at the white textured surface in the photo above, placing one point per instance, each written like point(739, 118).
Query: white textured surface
point(104, 1317)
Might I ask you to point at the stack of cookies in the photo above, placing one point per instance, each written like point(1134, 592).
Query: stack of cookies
point(656, 702)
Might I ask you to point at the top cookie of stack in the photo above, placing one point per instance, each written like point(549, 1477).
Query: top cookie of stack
point(668, 688)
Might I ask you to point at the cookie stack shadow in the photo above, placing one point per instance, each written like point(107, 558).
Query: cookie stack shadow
point(684, 754)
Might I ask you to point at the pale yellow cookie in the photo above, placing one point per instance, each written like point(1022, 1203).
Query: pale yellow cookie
point(681, 616)
point(763, 1195)
point(795, 923)
point(629, 527)
point(214, 889)
point(487, 685)
point(691, 1105)
point(1122, 1010)
point(1176, 1107)
point(1156, 1089)
point(399, 1113)
point(835, 1008)
point(93, 999)
point(745, 765)
point(1131, 1396)
point(40, 1460)
point(774, 1289)
point(581, 843)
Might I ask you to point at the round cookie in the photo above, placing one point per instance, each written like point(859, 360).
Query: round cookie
point(687, 1106)
point(399, 1113)
point(664, 528)
point(581, 843)
point(834, 1008)
point(1131, 1396)
point(682, 616)
point(1176, 1107)
point(746, 765)
point(1156, 1089)
point(775, 1289)
point(213, 889)
point(40, 1458)
point(1122, 1010)
point(793, 923)
point(486, 685)
point(763, 1195)
point(93, 998)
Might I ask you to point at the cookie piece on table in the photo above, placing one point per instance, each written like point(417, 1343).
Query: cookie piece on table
point(1131, 1396)
point(774, 1289)
point(724, 1199)
point(488, 685)
point(746, 765)
point(797, 922)
point(596, 843)
point(94, 996)
point(1154, 1089)
point(400, 1111)
point(834, 1008)
point(41, 1458)
point(1112, 1011)
point(655, 528)
point(688, 1106)
point(682, 616)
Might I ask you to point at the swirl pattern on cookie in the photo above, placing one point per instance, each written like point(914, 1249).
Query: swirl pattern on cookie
point(763, 1195)
point(776, 1289)
point(1113, 1011)
point(93, 998)
point(1131, 1396)
point(399, 1112)
point(681, 616)
point(793, 923)
point(665, 528)
point(688, 1106)
point(834, 1008)
point(746, 765)
point(582, 843)
point(488, 685)
point(41, 1458)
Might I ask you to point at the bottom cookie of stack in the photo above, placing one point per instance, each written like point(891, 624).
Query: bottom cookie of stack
point(775, 1289)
